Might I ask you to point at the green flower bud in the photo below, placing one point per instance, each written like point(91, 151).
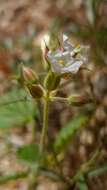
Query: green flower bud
point(78, 100)
point(51, 81)
point(29, 76)
point(36, 91)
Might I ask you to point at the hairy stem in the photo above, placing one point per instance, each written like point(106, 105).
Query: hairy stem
point(45, 121)
point(62, 99)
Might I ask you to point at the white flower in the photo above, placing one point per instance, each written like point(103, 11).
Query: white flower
point(67, 59)
point(67, 45)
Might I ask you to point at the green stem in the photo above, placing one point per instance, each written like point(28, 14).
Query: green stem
point(45, 121)
point(63, 99)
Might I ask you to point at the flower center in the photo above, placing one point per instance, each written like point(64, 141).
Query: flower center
point(61, 62)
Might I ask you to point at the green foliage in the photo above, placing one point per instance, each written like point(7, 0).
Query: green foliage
point(92, 10)
point(66, 133)
point(51, 174)
point(13, 176)
point(97, 172)
point(82, 185)
point(29, 154)
point(15, 110)
point(80, 180)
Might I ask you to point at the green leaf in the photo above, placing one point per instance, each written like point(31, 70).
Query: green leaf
point(13, 176)
point(66, 133)
point(51, 174)
point(90, 11)
point(29, 153)
point(81, 183)
point(98, 171)
point(91, 7)
point(13, 112)
point(82, 186)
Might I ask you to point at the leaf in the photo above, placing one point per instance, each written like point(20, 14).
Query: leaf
point(51, 174)
point(16, 113)
point(13, 176)
point(66, 133)
point(91, 7)
point(90, 11)
point(98, 171)
point(81, 183)
point(29, 154)
point(82, 186)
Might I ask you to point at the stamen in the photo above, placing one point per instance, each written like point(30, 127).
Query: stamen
point(61, 62)
point(76, 50)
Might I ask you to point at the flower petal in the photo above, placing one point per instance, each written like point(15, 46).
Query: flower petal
point(65, 37)
point(73, 68)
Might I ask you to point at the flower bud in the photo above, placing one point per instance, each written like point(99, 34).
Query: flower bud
point(29, 76)
point(36, 91)
point(51, 81)
point(45, 49)
point(44, 44)
point(78, 100)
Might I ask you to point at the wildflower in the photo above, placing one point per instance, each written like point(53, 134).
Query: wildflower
point(67, 58)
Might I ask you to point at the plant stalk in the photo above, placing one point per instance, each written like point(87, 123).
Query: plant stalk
point(62, 99)
point(45, 122)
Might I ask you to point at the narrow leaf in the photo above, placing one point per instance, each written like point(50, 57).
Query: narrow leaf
point(98, 172)
point(82, 186)
point(13, 176)
point(67, 133)
point(81, 183)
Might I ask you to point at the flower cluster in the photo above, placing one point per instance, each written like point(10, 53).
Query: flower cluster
point(64, 59)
